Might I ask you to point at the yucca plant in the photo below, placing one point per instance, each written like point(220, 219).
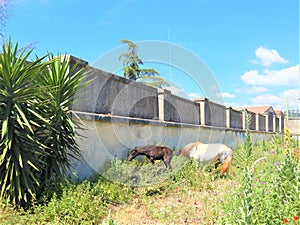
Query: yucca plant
point(37, 134)
point(61, 83)
point(20, 150)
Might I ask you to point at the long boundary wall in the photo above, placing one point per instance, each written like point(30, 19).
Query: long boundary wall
point(120, 114)
point(114, 95)
point(110, 137)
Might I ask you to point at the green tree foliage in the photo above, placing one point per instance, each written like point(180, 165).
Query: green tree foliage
point(37, 134)
point(132, 62)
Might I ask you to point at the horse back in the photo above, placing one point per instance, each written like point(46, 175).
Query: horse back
point(188, 149)
point(154, 151)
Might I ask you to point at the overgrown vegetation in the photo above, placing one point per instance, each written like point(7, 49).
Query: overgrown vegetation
point(261, 189)
point(269, 191)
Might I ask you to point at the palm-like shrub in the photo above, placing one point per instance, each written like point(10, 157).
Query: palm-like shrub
point(60, 82)
point(20, 151)
point(37, 134)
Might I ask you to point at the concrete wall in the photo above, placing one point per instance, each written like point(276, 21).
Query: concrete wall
point(261, 122)
point(252, 124)
point(275, 124)
point(234, 118)
point(111, 94)
point(120, 114)
point(294, 125)
point(110, 137)
point(177, 109)
point(215, 114)
point(114, 95)
point(269, 123)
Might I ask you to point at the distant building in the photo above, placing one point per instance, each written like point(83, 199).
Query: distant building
point(279, 113)
point(263, 110)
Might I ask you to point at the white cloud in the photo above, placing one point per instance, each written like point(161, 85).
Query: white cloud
point(279, 101)
point(225, 95)
point(266, 99)
point(287, 76)
point(267, 57)
point(176, 90)
point(256, 90)
point(193, 95)
point(251, 90)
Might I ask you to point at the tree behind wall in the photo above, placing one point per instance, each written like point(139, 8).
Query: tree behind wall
point(132, 62)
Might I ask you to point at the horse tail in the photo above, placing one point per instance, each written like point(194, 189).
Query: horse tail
point(225, 165)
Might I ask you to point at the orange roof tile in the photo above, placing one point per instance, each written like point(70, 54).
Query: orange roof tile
point(256, 109)
point(279, 113)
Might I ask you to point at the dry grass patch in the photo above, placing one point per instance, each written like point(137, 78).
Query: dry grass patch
point(183, 205)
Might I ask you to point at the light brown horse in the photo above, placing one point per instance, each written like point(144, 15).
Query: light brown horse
point(209, 153)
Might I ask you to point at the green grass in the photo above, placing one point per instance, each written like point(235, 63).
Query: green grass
point(137, 192)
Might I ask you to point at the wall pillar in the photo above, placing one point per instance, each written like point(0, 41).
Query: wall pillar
point(267, 123)
point(228, 117)
point(280, 124)
point(202, 104)
point(274, 123)
point(244, 112)
point(257, 121)
point(161, 104)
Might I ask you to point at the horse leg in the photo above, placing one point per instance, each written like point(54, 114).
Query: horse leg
point(225, 165)
point(151, 160)
point(217, 163)
point(167, 161)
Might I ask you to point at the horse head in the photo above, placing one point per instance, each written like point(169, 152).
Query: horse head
point(133, 153)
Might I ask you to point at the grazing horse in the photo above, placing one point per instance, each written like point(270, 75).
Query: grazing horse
point(153, 152)
point(209, 153)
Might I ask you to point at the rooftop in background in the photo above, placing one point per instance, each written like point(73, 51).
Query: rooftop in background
point(279, 113)
point(262, 110)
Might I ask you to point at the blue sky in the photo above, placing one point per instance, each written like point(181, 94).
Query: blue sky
point(251, 47)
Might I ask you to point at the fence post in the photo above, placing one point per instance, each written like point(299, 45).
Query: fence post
point(202, 104)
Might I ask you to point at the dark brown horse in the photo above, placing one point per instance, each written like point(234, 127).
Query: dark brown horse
point(153, 152)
